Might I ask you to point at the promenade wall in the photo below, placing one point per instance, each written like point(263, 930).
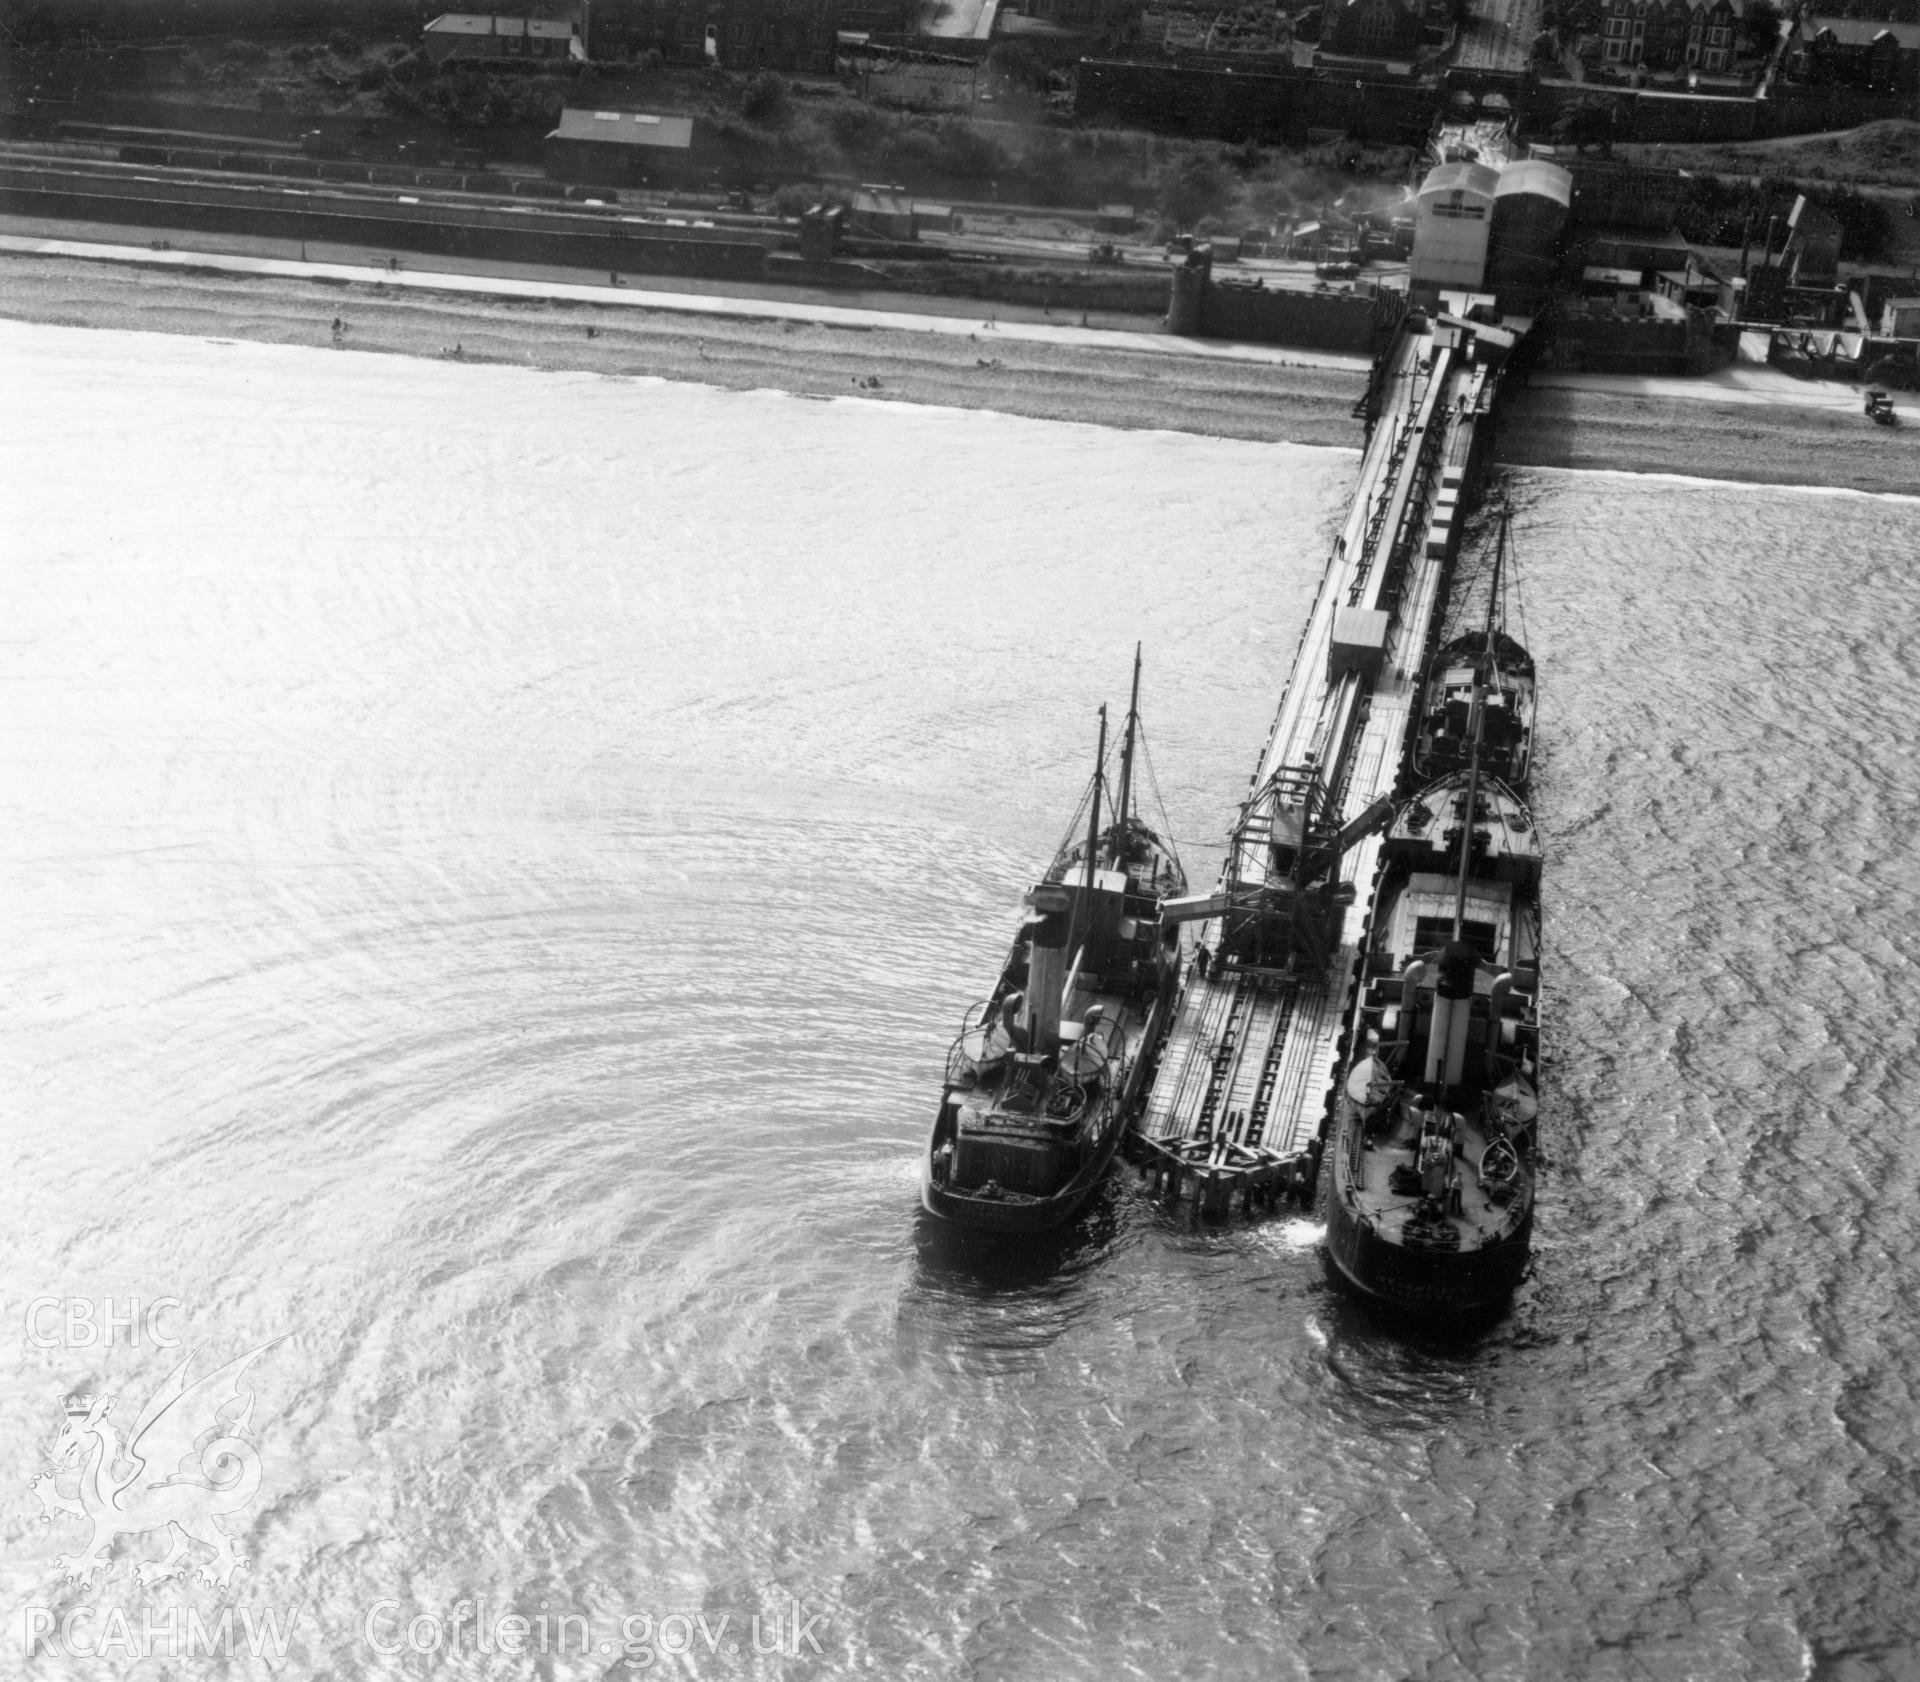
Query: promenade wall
point(1356, 322)
point(434, 233)
point(1630, 345)
point(1642, 114)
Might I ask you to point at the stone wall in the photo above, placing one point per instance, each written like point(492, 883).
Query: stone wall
point(1185, 99)
point(1208, 309)
point(1640, 114)
point(453, 234)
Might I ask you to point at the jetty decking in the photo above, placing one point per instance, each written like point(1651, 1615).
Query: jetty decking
point(1245, 1078)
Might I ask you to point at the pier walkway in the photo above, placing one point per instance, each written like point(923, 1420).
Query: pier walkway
point(1246, 1075)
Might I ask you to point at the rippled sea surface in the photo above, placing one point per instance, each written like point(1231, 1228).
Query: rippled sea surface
point(493, 861)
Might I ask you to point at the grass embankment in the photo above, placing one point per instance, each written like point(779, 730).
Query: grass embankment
point(1867, 176)
point(1884, 154)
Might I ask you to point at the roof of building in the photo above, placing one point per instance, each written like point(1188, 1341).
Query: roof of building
point(624, 128)
point(1018, 23)
point(1179, 25)
point(1638, 239)
point(483, 23)
point(1861, 32)
point(1537, 176)
point(924, 84)
point(1462, 177)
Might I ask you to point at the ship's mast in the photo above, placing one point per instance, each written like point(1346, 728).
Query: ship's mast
point(1093, 820)
point(1466, 831)
point(1486, 667)
point(1476, 723)
point(1126, 760)
point(1085, 901)
point(1495, 617)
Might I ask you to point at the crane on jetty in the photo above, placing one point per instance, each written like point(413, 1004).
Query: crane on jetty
point(1245, 1079)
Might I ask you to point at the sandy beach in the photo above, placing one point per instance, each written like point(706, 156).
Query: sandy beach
point(1631, 426)
point(983, 369)
point(1758, 427)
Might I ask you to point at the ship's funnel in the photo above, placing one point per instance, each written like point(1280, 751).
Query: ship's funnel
point(1452, 1012)
point(1049, 909)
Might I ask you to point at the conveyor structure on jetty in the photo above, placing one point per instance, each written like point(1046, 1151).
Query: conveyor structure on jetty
point(1245, 1081)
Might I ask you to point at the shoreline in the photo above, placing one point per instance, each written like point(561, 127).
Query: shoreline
point(1100, 377)
point(1757, 427)
point(1825, 444)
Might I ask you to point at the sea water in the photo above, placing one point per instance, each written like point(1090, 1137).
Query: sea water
point(495, 860)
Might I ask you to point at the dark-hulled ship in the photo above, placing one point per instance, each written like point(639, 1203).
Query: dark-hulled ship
point(1489, 661)
point(1429, 1174)
point(1045, 1073)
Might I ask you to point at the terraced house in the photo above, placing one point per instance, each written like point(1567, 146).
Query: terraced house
point(1671, 34)
point(735, 34)
point(1855, 53)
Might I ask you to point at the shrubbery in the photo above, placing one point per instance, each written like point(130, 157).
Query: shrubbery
point(1019, 63)
point(965, 150)
point(1730, 213)
point(1195, 189)
point(859, 130)
point(766, 102)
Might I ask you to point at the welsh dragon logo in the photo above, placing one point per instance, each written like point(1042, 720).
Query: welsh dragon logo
point(185, 1462)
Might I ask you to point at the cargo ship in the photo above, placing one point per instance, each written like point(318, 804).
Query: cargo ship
point(1428, 1179)
point(1489, 660)
point(1045, 1073)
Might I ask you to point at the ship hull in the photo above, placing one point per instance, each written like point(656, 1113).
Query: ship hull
point(1012, 1216)
point(1459, 1282)
point(1033, 1214)
point(1045, 1075)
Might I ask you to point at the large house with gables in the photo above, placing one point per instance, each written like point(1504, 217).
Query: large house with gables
point(1855, 53)
point(1698, 35)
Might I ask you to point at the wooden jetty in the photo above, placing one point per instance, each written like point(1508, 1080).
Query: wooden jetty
point(1240, 1101)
